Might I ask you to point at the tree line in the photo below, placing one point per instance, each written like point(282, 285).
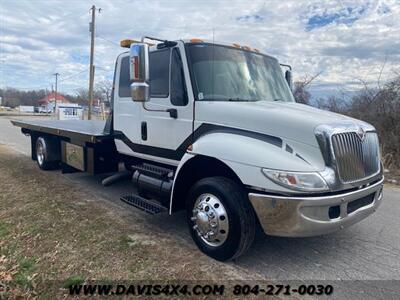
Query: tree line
point(12, 97)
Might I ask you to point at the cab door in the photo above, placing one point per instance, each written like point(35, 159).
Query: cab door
point(167, 136)
point(149, 131)
point(126, 112)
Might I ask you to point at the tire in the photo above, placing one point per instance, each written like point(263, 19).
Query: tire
point(240, 217)
point(47, 153)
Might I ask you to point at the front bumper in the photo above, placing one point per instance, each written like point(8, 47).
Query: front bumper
point(310, 216)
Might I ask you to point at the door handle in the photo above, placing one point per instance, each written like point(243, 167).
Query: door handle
point(144, 131)
point(173, 113)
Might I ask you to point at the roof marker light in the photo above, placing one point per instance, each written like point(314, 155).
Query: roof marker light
point(196, 41)
point(127, 43)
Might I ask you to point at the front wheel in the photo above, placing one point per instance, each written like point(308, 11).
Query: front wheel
point(220, 218)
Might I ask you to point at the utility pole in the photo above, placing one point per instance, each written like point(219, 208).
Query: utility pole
point(91, 68)
point(55, 97)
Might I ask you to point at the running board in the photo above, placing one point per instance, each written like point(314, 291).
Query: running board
point(148, 206)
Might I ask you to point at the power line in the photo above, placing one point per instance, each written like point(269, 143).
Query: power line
point(103, 69)
point(71, 76)
point(111, 42)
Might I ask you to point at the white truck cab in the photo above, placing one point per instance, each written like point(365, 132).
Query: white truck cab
point(213, 128)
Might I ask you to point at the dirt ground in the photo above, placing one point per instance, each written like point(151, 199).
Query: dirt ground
point(52, 232)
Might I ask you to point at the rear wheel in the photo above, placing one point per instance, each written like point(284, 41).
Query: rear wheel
point(47, 154)
point(220, 218)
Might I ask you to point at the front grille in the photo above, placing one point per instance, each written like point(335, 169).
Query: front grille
point(356, 159)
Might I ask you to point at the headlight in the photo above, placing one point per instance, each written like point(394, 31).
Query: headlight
point(297, 180)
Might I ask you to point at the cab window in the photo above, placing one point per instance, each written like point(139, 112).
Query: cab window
point(160, 76)
point(178, 87)
point(124, 80)
point(159, 73)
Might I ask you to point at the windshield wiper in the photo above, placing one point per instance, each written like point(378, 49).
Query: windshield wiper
point(240, 100)
point(229, 99)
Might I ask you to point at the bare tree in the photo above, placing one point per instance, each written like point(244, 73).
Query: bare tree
point(82, 96)
point(300, 91)
point(378, 105)
point(104, 88)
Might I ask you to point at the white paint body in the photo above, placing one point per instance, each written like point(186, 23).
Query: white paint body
point(293, 123)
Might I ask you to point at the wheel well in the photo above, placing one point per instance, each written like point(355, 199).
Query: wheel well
point(195, 169)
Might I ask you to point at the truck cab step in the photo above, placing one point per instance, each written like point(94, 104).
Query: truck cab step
point(148, 206)
point(154, 171)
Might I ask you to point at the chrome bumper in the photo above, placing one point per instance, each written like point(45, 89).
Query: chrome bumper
point(309, 216)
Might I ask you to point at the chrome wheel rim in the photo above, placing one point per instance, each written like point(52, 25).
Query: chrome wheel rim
point(40, 153)
point(210, 220)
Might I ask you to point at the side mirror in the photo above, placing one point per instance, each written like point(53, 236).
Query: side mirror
point(288, 77)
point(139, 72)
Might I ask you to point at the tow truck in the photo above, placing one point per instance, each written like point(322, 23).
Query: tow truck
point(213, 129)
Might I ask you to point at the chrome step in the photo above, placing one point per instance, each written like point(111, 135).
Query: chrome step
point(149, 206)
point(154, 171)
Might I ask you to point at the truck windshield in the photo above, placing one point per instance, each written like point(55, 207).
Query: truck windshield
point(224, 73)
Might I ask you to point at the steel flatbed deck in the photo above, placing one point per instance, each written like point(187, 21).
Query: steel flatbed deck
point(79, 130)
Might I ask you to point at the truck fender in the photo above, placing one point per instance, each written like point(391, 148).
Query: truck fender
point(192, 168)
point(239, 157)
point(258, 150)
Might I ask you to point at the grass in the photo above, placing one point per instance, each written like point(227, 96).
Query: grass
point(4, 229)
point(72, 280)
point(25, 272)
point(66, 236)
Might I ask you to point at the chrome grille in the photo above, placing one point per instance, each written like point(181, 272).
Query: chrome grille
point(356, 159)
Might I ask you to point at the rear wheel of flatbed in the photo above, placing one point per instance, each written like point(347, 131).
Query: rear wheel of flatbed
point(47, 153)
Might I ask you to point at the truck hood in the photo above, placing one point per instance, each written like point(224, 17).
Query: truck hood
point(287, 120)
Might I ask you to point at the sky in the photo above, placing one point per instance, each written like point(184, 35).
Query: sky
point(348, 43)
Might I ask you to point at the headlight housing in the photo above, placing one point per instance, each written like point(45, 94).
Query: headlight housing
point(300, 181)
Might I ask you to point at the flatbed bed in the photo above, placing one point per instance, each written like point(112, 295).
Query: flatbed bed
point(84, 145)
point(79, 130)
